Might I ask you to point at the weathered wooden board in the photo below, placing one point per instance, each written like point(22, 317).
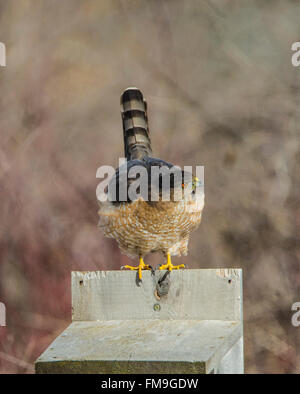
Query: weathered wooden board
point(206, 294)
point(233, 361)
point(119, 327)
point(144, 346)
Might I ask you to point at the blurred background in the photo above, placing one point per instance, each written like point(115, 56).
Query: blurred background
point(221, 92)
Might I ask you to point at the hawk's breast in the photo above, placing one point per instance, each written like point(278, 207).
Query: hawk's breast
point(141, 227)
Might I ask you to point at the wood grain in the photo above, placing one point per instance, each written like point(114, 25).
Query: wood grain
point(194, 294)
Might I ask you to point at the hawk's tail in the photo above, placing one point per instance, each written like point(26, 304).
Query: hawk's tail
point(137, 143)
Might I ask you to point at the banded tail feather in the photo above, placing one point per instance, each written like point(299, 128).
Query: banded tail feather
point(137, 144)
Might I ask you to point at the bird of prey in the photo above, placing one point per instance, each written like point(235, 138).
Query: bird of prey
point(148, 224)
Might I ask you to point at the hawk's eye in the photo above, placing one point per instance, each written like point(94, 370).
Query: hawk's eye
point(195, 183)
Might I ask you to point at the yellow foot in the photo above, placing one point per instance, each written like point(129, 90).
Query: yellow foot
point(140, 267)
point(169, 266)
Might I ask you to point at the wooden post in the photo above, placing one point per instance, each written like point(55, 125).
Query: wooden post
point(192, 325)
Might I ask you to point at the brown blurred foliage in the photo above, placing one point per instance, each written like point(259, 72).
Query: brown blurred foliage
point(222, 93)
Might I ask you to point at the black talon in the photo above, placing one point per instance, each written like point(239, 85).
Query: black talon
point(152, 270)
point(138, 281)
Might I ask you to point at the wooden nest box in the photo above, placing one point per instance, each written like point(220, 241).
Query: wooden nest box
point(187, 322)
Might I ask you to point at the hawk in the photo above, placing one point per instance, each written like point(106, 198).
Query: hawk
point(149, 223)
